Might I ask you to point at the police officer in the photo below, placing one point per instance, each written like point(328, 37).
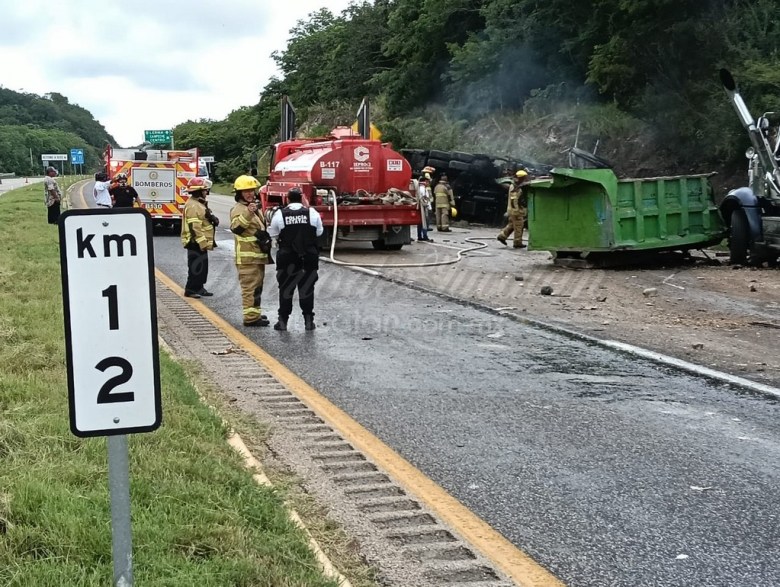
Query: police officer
point(516, 209)
point(197, 236)
point(253, 246)
point(296, 229)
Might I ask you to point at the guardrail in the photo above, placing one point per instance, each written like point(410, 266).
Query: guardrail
point(7, 175)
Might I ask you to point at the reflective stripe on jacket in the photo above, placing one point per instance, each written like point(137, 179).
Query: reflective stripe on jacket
point(517, 201)
point(443, 196)
point(195, 227)
point(245, 225)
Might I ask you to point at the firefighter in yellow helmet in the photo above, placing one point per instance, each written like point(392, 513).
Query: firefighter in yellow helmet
point(516, 209)
point(197, 236)
point(444, 201)
point(253, 248)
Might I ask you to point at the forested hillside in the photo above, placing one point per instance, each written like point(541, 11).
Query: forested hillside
point(45, 124)
point(639, 78)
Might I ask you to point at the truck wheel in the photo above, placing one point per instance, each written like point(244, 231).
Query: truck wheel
point(441, 155)
point(464, 157)
point(459, 165)
point(379, 245)
point(393, 247)
point(739, 238)
point(438, 164)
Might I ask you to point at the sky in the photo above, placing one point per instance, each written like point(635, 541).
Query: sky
point(147, 65)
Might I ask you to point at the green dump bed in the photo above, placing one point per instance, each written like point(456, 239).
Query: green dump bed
point(576, 213)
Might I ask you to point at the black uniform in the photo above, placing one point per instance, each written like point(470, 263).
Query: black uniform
point(297, 263)
point(124, 196)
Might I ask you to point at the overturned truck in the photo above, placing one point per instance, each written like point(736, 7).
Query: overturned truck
point(474, 179)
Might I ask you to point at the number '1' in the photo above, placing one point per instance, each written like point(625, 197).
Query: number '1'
point(113, 307)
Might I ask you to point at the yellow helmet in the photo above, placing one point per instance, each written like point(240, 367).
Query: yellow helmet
point(245, 182)
point(454, 212)
point(521, 174)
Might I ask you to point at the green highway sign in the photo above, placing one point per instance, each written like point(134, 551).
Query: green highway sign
point(157, 137)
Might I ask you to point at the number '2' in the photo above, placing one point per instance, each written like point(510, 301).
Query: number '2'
point(104, 395)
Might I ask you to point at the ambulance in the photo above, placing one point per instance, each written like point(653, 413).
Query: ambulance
point(159, 176)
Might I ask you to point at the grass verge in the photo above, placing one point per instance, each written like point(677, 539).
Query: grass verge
point(198, 517)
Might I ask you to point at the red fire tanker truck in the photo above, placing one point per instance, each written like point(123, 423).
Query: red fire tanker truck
point(360, 181)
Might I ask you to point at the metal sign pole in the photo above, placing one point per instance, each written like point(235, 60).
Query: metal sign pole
point(119, 489)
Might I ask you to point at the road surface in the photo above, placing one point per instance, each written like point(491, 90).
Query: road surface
point(608, 470)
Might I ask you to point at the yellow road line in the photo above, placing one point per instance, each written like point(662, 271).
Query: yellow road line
point(80, 191)
point(518, 565)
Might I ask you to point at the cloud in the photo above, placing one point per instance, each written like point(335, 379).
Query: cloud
point(144, 72)
point(150, 63)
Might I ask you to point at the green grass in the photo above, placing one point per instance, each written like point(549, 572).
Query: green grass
point(198, 517)
point(225, 189)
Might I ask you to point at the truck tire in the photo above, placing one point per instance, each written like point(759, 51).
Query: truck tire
point(443, 155)
point(439, 164)
point(464, 157)
point(381, 245)
point(415, 157)
point(739, 238)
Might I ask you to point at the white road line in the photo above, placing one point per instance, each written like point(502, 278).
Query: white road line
point(692, 367)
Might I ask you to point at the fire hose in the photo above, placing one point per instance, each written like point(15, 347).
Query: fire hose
point(458, 258)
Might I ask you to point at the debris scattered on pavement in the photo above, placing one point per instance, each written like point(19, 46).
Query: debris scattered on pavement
point(546, 290)
point(698, 345)
point(697, 488)
point(682, 557)
point(367, 338)
point(753, 287)
point(601, 299)
point(498, 334)
point(518, 278)
point(764, 324)
point(650, 291)
point(504, 308)
point(226, 351)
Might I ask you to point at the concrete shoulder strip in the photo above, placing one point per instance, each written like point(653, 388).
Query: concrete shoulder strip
point(512, 561)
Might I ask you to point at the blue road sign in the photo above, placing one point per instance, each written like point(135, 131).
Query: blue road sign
point(77, 156)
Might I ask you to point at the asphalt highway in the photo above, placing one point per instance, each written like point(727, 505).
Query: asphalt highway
point(608, 470)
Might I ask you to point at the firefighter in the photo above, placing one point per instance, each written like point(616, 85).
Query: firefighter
point(516, 210)
point(444, 200)
point(123, 195)
point(296, 229)
point(253, 246)
point(197, 236)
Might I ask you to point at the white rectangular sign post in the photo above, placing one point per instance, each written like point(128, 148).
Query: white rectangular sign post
point(107, 263)
point(54, 157)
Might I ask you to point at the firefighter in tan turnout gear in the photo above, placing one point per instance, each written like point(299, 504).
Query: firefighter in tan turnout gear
point(253, 247)
point(516, 210)
point(197, 236)
point(444, 201)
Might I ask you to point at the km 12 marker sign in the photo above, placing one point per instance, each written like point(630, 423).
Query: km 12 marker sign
point(108, 293)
